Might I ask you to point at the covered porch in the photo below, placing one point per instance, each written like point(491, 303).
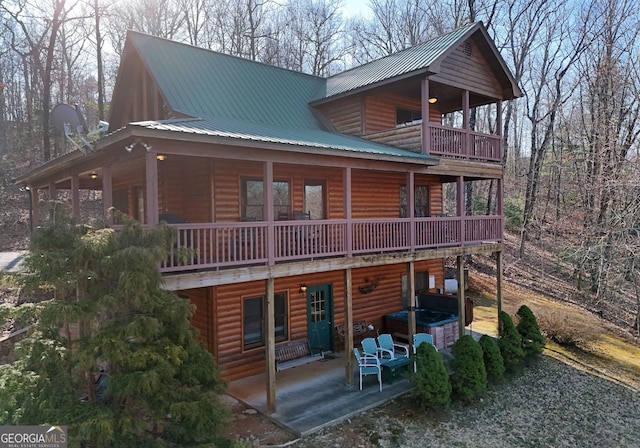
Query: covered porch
point(315, 395)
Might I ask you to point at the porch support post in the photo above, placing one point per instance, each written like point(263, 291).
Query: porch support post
point(75, 196)
point(461, 298)
point(499, 117)
point(270, 349)
point(151, 168)
point(426, 140)
point(346, 181)
point(348, 328)
point(465, 124)
point(107, 191)
point(499, 273)
point(35, 207)
point(460, 206)
point(411, 200)
point(53, 192)
point(267, 190)
point(411, 291)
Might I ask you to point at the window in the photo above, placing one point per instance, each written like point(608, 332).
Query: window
point(407, 116)
point(253, 320)
point(252, 200)
point(421, 208)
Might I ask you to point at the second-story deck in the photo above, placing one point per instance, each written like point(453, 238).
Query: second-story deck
point(444, 141)
point(235, 244)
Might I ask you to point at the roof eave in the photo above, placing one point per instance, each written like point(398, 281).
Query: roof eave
point(418, 159)
point(426, 71)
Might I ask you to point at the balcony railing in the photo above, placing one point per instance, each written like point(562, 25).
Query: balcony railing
point(444, 141)
point(224, 245)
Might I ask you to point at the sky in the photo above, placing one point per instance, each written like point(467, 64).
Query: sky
point(355, 7)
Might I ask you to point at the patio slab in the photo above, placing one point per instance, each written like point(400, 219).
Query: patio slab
point(313, 396)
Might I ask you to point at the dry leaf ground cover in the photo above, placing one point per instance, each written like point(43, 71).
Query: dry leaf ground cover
point(550, 404)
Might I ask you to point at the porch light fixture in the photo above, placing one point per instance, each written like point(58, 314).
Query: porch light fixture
point(433, 99)
point(303, 288)
point(93, 175)
point(129, 148)
point(161, 157)
point(146, 146)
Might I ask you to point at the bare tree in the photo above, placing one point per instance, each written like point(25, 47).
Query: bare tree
point(547, 91)
point(396, 25)
point(609, 130)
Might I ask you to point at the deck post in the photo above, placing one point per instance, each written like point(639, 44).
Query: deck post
point(411, 200)
point(461, 298)
point(460, 207)
point(35, 207)
point(411, 292)
point(270, 349)
point(75, 196)
point(107, 192)
point(151, 167)
point(346, 180)
point(348, 328)
point(426, 134)
point(499, 274)
point(268, 212)
point(53, 191)
point(466, 141)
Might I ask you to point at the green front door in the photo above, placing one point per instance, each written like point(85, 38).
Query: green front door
point(320, 317)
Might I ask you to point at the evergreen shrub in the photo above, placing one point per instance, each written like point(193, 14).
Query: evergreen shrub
point(493, 362)
point(532, 339)
point(433, 390)
point(112, 354)
point(469, 377)
point(510, 343)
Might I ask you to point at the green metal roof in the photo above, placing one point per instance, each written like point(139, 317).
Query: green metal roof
point(405, 62)
point(230, 128)
point(200, 82)
point(236, 98)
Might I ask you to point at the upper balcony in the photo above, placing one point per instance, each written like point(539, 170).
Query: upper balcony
point(235, 244)
point(444, 141)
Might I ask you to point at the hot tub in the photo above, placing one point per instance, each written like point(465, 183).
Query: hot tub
point(442, 326)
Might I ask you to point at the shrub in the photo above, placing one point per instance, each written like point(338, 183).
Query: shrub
point(162, 386)
point(510, 343)
point(493, 362)
point(469, 378)
point(532, 338)
point(433, 390)
point(567, 330)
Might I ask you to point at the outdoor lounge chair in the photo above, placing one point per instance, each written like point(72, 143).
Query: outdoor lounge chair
point(370, 347)
point(368, 365)
point(418, 339)
point(385, 342)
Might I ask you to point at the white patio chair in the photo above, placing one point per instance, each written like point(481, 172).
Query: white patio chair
point(368, 365)
point(386, 343)
point(420, 338)
point(371, 347)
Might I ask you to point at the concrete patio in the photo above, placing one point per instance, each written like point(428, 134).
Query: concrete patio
point(314, 395)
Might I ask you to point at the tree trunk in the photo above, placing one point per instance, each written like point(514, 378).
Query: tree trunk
point(46, 80)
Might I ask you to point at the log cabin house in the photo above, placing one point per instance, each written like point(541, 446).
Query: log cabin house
point(292, 191)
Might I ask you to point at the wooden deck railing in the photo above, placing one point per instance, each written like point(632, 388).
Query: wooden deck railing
point(444, 141)
point(223, 245)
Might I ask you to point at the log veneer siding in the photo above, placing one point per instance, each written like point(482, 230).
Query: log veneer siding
point(236, 362)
